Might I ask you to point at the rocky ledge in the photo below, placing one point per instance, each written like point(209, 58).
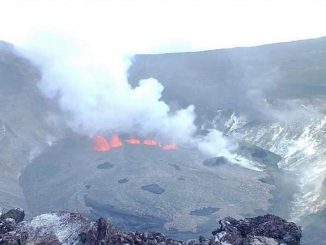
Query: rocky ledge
point(73, 228)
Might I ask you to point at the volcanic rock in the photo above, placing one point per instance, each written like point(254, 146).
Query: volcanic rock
point(9, 233)
point(105, 165)
point(204, 211)
point(123, 181)
point(216, 161)
point(153, 188)
point(73, 228)
point(17, 214)
point(257, 230)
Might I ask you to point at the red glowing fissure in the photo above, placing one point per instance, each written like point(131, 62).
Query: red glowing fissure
point(103, 144)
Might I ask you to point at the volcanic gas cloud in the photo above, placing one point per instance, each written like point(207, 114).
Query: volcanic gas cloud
point(103, 144)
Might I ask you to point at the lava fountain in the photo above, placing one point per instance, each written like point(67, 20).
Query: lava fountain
point(169, 147)
point(150, 142)
point(133, 141)
point(101, 144)
point(116, 141)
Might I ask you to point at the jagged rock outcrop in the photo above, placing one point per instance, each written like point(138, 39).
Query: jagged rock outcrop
point(9, 235)
point(17, 214)
point(268, 229)
point(72, 228)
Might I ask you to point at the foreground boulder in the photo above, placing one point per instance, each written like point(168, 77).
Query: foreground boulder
point(17, 214)
point(73, 228)
point(9, 234)
point(268, 229)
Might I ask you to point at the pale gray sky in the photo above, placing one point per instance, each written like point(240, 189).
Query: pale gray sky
point(141, 26)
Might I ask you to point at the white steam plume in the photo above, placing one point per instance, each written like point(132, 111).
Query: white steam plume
point(98, 97)
point(92, 88)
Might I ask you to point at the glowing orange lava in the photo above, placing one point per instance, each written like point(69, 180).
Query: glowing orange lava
point(101, 144)
point(133, 141)
point(116, 141)
point(170, 147)
point(150, 142)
